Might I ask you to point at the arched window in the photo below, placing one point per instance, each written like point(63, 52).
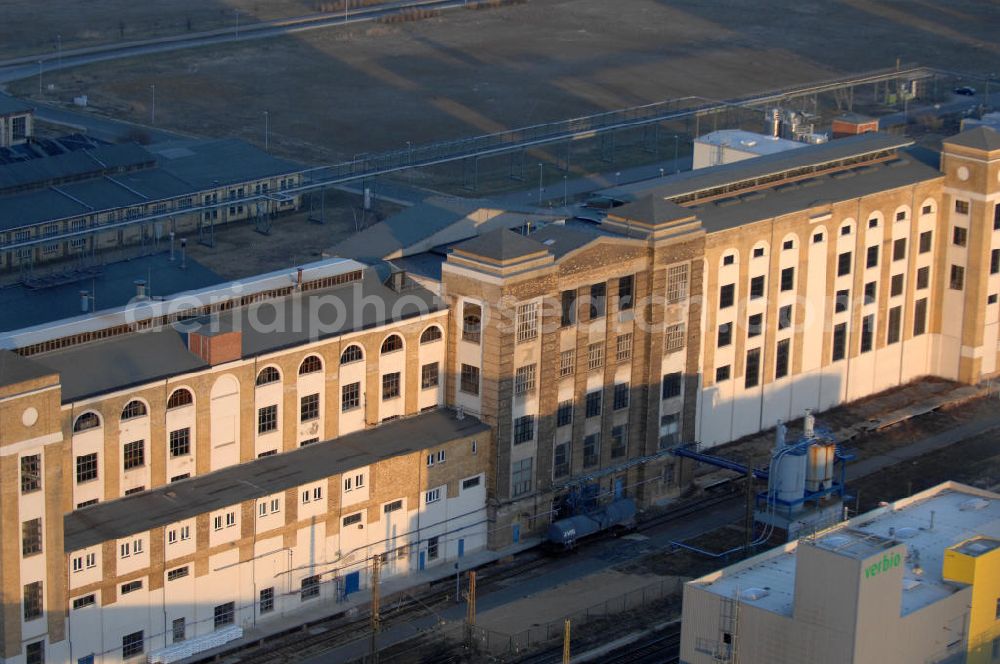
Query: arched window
point(392, 343)
point(433, 333)
point(267, 376)
point(180, 397)
point(86, 421)
point(352, 353)
point(133, 409)
point(311, 364)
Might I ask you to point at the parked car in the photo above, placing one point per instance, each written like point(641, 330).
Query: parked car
point(965, 91)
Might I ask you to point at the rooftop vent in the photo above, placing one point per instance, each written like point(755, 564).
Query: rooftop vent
point(906, 533)
point(752, 594)
point(974, 504)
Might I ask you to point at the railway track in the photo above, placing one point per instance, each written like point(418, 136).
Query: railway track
point(658, 648)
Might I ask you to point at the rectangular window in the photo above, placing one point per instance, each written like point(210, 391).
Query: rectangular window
point(623, 347)
point(785, 317)
point(751, 374)
point(895, 324)
point(619, 441)
point(31, 473)
point(871, 258)
point(85, 601)
point(625, 287)
point(591, 450)
point(722, 373)
point(867, 332)
point(621, 396)
point(841, 301)
point(394, 506)
point(31, 537)
point(598, 304)
point(133, 644)
point(725, 334)
point(677, 283)
point(217, 523)
point(755, 325)
point(560, 460)
point(899, 249)
point(524, 429)
point(564, 413)
point(432, 496)
point(994, 261)
point(78, 564)
point(839, 342)
point(267, 419)
point(230, 519)
point(471, 322)
point(871, 292)
point(309, 407)
point(86, 468)
point(350, 397)
point(131, 587)
point(225, 614)
point(781, 358)
point(595, 356)
point(671, 385)
point(896, 285)
point(524, 379)
point(433, 548)
point(34, 653)
point(960, 236)
point(787, 279)
point(33, 600)
point(817, 237)
point(567, 300)
point(756, 287)
point(920, 316)
point(592, 403)
point(309, 588)
point(923, 277)
point(521, 476)
point(429, 376)
point(567, 363)
point(180, 442)
point(390, 386)
point(957, 280)
point(901, 215)
point(134, 455)
point(925, 241)
point(267, 599)
point(962, 207)
point(527, 321)
point(727, 295)
point(670, 431)
point(178, 629)
point(470, 483)
point(844, 264)
point(675, 337)
point(352, 519)
point(469, 382)
point(178, 573)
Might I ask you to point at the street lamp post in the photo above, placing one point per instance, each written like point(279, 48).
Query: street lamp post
point(152, 108)
point(237, 23)
point(59, 49)
point(39, 78)
point(539, 183)
point(267, 131)
point(677, 168)
point(565, 193)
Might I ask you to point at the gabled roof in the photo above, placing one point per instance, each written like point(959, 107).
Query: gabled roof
point(500, 246)
point(652, 210)
point(980, 138)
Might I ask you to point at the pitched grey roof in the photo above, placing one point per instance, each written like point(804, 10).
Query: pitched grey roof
point(980, 138)
point(10, 105)
point(501, 245)
point(205, 164)
point(561, 240)
point(262, 477)
point(651, 210)
point(16, 369)
point(75, 164)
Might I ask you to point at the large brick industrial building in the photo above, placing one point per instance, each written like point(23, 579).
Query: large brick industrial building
point(200, 457)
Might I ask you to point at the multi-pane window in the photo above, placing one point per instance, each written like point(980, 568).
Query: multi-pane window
point(671, 385)
point(311, 364)
point(429, 375)
point(178, 629)
point(225, 614)
point(758, 252)
point(267, 600)
point(923, 278)
point(960, 236)
point(924, 244)
point(895, 324)
point(592, 403)
point(31, 473)
point(133, 644)
point(867, 332)
point(920, 316)
point(392, 344)
point(564, 413)
point(899, 249)
point(84, 601)
point(677, 283)
point(755, 325)
point(619, 440)
point(351, 354)
point(267, 376)
point(896, 285)
point(180, 442)
point(757, 287)
point(524, 379)
point(432, 496)
point(567, 363)
point(871, 257)
point(675, 337)
point(870, 292)
point(433, 548)
point(722, 373)
point(560, 460)
point(727, 295)
point(625, 294)
point(595, 355)
point(788, 279)
point(839, 342)
point(598, 300)
point(179, 398)
point(31, 537)
point(781, 358)
point(394, 506)
point(309, 587)
point(430, 335)
point(86, 422)
point(33, 600)
point(621, 396)
point(471, 322)
point(785, 317)
point(34, 653)
point(469, 380)
point(309, 407)
point(267, 419)
point(591, 449)
point(524, 429)
point(623, 347)
point(179, 573)
point(350, 396)
point(957, 279)
point(841, 301)
point(134, 455)
point(962, 207)
point(520, 477)
point(527, 321)
point(844, 264)
point(390, 385)
point(133, 409)
point(567, 302)
point(751, 375)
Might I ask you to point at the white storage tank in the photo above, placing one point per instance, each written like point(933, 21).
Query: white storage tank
point(790, 472)
point(819, 474)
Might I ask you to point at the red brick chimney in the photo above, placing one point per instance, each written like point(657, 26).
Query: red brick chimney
point(216, 347)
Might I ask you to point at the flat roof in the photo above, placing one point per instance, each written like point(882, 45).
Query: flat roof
point(208, 164)
point(261, 477)
point(957, 512)
point(15, 369)
point(977, 546)
point(749, 141)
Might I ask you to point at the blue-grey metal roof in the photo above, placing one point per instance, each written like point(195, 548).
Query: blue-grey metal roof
point(10, 105)
point(76, 164)
point(560, 240)
point(206, 164)
point(262, 477)
point(35, 207)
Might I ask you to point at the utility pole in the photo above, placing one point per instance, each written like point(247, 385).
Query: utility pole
point(677, 167)
point(267, 131)
point(470, 615)
point(375, 608)
point(566, 656)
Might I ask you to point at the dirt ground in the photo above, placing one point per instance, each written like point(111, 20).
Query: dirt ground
point(335, 93)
